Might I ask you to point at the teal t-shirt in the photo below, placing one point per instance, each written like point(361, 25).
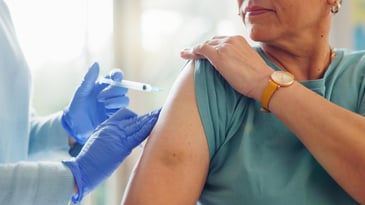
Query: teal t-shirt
point(254, 158)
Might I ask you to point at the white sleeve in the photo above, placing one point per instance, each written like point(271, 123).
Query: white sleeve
point(35, 183)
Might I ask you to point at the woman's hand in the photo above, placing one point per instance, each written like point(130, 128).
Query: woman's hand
point(236, 60)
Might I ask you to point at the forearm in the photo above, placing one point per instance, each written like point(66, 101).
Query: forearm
point(35, 183)
point(47, 134)
point(334, 136)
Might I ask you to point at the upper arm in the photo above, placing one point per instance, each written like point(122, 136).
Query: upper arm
point(175, 162)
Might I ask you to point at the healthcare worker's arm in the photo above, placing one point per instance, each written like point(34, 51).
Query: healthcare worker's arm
point(43, 183)
point(174, 164)
point(47, 135)
point(28, 183)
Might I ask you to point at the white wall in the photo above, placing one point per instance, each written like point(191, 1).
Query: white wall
point(341, 35)
point(352, 13)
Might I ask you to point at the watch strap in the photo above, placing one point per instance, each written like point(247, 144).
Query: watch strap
point(267, 94)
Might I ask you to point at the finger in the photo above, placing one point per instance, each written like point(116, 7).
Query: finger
point(142, 132)
point(110, 92)
point(216, 40)
point(208, 51)
point(93, 73)
point(211, 42)
point(132, 124)
point(188, 53)
point(89, 79)
point(115, 74)
point(219, 37)
point(141, 127)
point(110, 112)
point(122, 114)
point(116, 102)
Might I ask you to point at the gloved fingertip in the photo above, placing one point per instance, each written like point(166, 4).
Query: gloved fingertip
point(122, 114)
point(150, 118)
point(155, 112)
point(115, 74)
point(93, 73)
point(95, 67)
point(158, 111)
point(145, 127)
point(95, 64)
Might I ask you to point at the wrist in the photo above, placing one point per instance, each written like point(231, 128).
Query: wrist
point(79, 189)
point(261, 87)
point(76, 190)
point(258, 81)
point(277, 80)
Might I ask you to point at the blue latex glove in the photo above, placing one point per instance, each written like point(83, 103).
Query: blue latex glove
point(93, 103)
point(107, 147)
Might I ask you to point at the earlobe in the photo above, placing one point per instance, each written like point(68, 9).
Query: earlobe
point(240, 11)
point(336, 6)
point(334, 2)
point(240, 2)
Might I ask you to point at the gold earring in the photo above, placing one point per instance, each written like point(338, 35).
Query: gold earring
point(336, 8)
point(239, 12)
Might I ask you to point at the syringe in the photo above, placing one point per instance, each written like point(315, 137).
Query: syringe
point(131, 85)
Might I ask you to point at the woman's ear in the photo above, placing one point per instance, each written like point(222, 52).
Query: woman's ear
point(335, 5)
point(240, 2)
point(334, 2)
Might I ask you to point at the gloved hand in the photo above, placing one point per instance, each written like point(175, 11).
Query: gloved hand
point(93, 103)
point(107, 147)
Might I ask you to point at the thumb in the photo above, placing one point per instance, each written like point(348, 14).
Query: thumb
point(90, 78)
point(122, 114)
point(115, 75)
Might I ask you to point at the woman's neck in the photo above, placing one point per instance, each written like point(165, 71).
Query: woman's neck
point(305, 63)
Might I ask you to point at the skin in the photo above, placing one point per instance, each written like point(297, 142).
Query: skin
point(294, 35)
point(175, 160)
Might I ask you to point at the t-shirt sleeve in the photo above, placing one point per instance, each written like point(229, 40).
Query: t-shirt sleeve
point(362, 100)
point(221, 108)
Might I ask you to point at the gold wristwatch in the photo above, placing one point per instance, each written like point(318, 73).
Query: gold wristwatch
point(277, 80)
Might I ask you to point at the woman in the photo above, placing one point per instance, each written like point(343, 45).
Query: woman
point(214, 144)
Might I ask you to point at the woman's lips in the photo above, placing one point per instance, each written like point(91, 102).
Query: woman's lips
point(254, 11)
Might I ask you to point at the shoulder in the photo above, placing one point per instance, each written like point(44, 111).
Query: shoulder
point(348, 61)
point(346, 55)
point(221, 108)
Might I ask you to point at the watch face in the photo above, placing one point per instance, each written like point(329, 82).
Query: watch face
point(282, 78)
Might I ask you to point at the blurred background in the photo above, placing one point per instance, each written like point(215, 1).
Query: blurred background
point(62, 38)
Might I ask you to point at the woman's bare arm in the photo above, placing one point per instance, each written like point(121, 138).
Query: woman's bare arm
point(174, 164)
